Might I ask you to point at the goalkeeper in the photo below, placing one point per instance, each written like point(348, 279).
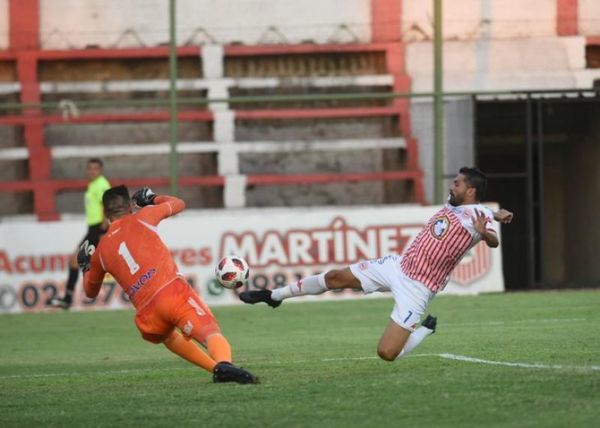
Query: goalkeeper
point(168, 310)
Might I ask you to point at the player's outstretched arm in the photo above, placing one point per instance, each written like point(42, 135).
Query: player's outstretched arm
point(163, 206)
point(175, 205)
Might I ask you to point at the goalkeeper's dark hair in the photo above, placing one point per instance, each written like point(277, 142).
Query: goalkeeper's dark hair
point(116, 201)
point(475, 178)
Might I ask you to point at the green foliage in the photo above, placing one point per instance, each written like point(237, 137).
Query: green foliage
point(318, 365)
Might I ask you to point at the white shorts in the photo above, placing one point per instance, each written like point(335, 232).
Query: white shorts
point(385, 274)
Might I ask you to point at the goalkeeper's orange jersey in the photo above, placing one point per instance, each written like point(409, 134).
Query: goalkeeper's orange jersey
point(133, 253)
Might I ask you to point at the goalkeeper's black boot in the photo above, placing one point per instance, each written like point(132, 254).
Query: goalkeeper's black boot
point(430, 322)
point(257, 296)
point(227, 372)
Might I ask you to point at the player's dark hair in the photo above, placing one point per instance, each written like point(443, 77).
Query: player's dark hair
point(116, 201)
point(97, 161)
point(475, 178)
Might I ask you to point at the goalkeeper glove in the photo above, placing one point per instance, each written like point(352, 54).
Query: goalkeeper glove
point(144, 196)
point(84, 256)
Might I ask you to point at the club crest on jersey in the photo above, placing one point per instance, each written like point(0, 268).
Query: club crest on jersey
point(440, 227)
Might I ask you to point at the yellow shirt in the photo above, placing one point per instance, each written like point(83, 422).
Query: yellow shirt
point(94, 212)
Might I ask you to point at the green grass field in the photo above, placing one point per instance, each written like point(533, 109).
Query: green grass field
point(318, 367)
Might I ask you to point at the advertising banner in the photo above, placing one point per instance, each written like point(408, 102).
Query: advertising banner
point(280, 245)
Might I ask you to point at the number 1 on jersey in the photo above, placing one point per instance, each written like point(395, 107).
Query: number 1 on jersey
point(131, 263)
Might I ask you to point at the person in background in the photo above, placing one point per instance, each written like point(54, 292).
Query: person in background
point(97, 225)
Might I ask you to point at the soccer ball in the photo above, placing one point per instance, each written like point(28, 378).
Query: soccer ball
point(232, 272)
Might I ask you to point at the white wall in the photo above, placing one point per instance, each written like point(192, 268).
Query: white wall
point(76, 23)
point(499, 45)
point(471, 19)
point(489, 44)
point(589, 17)
point(458, 138)
point(504, 64)
point(3, 24)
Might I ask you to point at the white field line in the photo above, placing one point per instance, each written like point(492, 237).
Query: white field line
point(454, 357)
point(446, 356)
point(465, 358)
point(533, 320)
point(514, 364)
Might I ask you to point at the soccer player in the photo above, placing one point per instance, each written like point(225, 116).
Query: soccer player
point(419, 274)
point(97, 225)
point(168, 310)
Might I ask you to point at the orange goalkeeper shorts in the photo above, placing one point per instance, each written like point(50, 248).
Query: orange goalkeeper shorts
point(176, 305)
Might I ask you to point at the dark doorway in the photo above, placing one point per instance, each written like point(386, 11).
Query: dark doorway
point(542, 156)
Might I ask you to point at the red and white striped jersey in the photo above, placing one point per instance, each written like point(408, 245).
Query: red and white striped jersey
point(440, 246)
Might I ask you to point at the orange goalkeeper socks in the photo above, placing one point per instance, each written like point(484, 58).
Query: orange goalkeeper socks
point(189, 351)
point(218, 347)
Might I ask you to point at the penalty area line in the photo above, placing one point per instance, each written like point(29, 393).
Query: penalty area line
point(446, 356)
point(467, 359)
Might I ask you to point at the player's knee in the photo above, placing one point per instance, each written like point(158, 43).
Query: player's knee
point(386, 353)
point(335, 278)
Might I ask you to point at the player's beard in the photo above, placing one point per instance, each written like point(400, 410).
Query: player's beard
point(454, 200)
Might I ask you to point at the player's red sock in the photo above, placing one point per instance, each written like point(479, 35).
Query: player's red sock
point(188, 350)
point(218, 347)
